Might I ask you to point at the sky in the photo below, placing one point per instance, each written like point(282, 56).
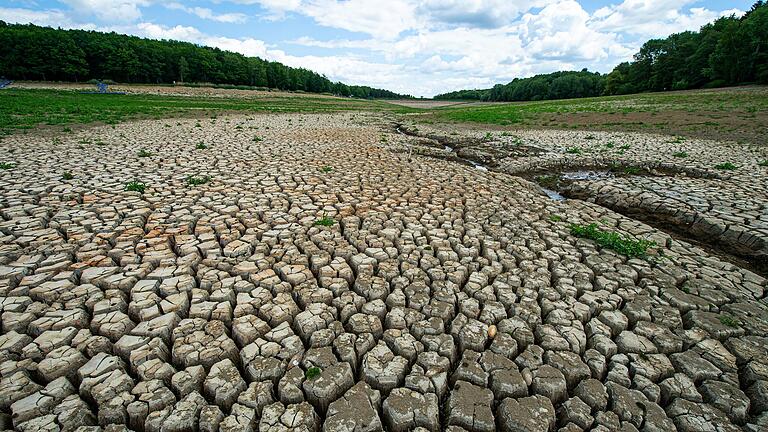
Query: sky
point(418, 47)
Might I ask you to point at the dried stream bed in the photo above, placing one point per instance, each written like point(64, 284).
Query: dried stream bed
point(655, 193)
point(331, 277)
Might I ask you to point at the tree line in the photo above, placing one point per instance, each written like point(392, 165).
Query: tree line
point(30, 52)
point(729, 51)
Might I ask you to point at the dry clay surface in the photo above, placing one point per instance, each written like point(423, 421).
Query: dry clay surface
point(442, 298)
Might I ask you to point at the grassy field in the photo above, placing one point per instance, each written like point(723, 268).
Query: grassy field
point(736, 114)
point(22, 109)
point(739, 114)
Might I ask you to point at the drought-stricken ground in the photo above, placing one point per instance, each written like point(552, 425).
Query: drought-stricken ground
point(333, 274)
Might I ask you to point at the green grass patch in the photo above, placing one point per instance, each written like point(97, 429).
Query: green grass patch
point(573, 150)
point(145, 153)
point(613, 240)
point(201, 146)
point(326, 169)
point(680, 154)
point(7, 165)
point(29, 108)
point(198, 180)
point(325, 221)
point(135, 186)
point(726, 166)
point(728, 321)
point(763, 163)
point(67, 176)
point(312, 373)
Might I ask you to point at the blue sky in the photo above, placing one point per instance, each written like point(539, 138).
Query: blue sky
point(421, 47)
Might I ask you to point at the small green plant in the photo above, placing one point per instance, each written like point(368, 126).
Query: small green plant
point(624, 147)
point(135, 186)
point(727, 166)
point(201, 146)
point(488, 137)
point(257, 139)
point(590, 137)
point(325, 221)
point(763, 163)
point(613, 240)
point(7, 165)
point(556, 218)
point(144, 153)
point(630, 170)
point(67, 176)
point(67, 129)
point(610, 145)
point(312, 373)
point(729, 321)
point(198, 180)
point(681, 154)
point(573, 150)
point(326, 169)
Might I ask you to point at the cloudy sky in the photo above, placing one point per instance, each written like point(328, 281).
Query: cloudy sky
point(421, 47)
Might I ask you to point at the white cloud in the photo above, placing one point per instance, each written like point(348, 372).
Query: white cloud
point(205, 13)
point(51, 17)
point(109, 10)
point(654, 18)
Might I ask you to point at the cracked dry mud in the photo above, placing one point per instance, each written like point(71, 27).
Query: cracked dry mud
point(441, 298)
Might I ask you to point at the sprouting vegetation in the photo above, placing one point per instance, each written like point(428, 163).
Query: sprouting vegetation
point(135, 186)
point(312, 373)
point(726, 166)
point(7, 165)
point(573, 150)
point(145, 153)
point(613, 240)
point(326, 169)
point(201, 146)
point(681, 154)
point(198, 180)
point(258, 139)
point(729, 321)
point(763, 163)
point(67, 176)
point(325, 221)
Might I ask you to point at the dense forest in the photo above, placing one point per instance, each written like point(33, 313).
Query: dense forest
point(30, 52)
point(730, 51)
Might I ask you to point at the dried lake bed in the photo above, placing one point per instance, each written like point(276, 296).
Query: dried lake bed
point(355, 272)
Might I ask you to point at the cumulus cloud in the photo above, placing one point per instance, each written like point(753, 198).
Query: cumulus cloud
point(208, 14)
point(109, 10)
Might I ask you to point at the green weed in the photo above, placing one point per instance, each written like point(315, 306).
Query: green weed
point(7, 165)
point(325, 221)
point(573, 150)
point(729, 321)
point(198, 180)
point(145, 153)
point(312, 373)
point(726, 166)
point(135, 186)
point(680, 154)
point(613, 240)
point(326, 169)
point(67, 176)
point(201, 146)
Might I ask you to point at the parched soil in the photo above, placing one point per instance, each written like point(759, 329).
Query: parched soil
point(333, 275)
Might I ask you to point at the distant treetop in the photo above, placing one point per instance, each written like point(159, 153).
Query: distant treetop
point(30, 52)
